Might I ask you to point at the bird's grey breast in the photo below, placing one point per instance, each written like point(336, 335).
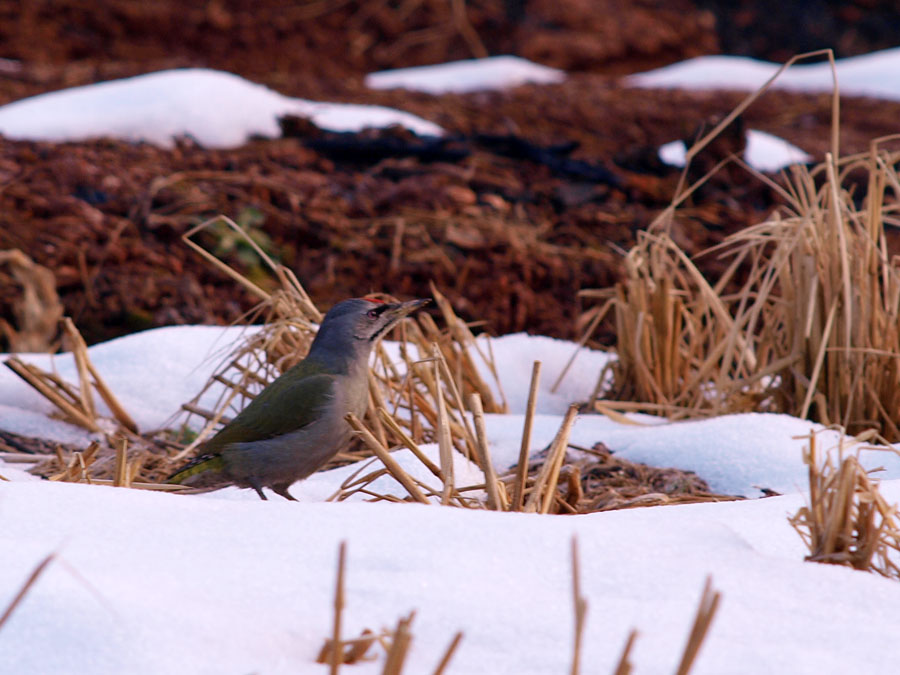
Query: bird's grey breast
point(352, 392)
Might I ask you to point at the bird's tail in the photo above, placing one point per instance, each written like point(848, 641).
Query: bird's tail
point(203, 471)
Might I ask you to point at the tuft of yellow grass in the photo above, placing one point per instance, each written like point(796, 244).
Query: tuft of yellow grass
point(37, 312)
point(74, 402)
point(812, 330)
point(847, 521)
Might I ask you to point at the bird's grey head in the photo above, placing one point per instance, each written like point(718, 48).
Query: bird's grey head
point(353, 326)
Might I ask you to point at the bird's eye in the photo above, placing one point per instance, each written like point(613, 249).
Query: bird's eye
point(372, 314)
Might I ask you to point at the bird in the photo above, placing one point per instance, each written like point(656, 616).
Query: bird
point(297, 423)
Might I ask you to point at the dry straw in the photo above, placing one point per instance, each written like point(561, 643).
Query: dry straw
point(580, 605)
point(23, 591)
point(122, 457)
point(847, 521)
point(706, 612)
point(37, 312)
point(813, 328)
point(337, 651)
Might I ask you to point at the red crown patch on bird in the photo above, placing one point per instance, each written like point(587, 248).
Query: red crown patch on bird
point(376, 300)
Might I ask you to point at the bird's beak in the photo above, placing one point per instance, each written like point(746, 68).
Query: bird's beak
point(411, 306)
point(397, 311)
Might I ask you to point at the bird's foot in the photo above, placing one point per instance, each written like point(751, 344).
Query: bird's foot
point(283, 491)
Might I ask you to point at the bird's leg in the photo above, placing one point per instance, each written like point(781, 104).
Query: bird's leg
point(282, 490)
point(256, 486)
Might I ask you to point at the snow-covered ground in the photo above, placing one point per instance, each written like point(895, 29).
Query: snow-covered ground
point(216, 109)
point(220, 109)
point(223, 582)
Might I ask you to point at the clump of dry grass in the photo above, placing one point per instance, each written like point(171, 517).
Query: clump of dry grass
point(827, 314)
point(75, 403)
point(812, 330)
point(37, 312)
point(847, 521)
point(555, 481)
point(674, 332)
point(120, 456)
point(435, 393)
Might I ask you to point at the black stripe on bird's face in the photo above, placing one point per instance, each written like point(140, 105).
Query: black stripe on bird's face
point(381, 316)
point(377, 316)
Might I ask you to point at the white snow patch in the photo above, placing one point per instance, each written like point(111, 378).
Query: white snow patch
point(876, 74)
point(149, 583)
point(460, 77)
point(217, 109)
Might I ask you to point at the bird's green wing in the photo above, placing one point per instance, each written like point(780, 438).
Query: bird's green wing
point(290, 403)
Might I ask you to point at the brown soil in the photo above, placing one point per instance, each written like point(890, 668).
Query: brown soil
point(509, 239)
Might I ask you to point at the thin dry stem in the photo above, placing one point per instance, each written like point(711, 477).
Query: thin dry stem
point(544, 487)
point(23, 591)
point(624, 666)
point(495, 500)
point(525, 447)
point(34, 377)
point(402, 638)
point(121, 472)
point(445, 445)
point(337, 648)
point(409, 443)
point(451, 649)
point(580, 605)
point(389, 462)
point(706, 612)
